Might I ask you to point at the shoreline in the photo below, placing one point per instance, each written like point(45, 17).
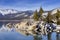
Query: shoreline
point(10, 20)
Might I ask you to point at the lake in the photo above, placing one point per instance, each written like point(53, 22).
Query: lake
point(10, 35)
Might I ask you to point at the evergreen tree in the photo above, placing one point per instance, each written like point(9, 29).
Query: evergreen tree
point(58, 14)
point(49, 17)
point(58, 22)
point(36, 17)
point(57, 17)
point(40, 12)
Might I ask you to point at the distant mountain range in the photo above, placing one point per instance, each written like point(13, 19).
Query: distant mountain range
point(11, 14)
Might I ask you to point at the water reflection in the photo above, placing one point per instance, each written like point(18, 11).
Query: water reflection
point(1, 24)
point(38, 37)
point(58, 36)
point(49, 36)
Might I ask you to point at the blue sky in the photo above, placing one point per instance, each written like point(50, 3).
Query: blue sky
point(29, 4)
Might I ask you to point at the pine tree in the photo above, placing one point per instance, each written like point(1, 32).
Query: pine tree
point(57, 17)
point(49, 17)
point(58, 14)
point(36, 17)
point(58, 22)
point(41, 11)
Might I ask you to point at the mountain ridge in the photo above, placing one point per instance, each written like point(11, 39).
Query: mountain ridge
point(17, 15)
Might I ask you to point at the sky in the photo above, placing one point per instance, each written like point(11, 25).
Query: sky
point(29, 4)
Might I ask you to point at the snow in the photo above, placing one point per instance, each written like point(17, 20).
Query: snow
point(7, 11)
point(45, 14)
point(55, 10)
point(58, 27)
point(25, 15)
point(54, 24)
point(31, 16)
point(20, 15)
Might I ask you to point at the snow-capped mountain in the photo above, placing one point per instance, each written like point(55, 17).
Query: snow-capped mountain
point(14, 14)
point(8, 11)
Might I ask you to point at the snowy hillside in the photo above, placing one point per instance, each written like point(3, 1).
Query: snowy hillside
point(52, 12)
point(55, 10)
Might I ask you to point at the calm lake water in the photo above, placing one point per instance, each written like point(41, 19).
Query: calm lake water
point(19, 36)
